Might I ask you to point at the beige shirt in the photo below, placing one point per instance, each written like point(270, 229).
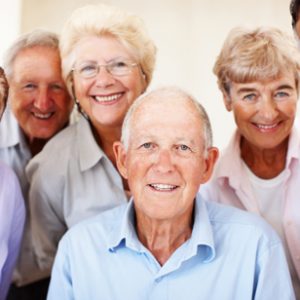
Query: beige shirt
point(71, 180)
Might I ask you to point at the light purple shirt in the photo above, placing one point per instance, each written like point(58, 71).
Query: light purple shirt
point(12, 219)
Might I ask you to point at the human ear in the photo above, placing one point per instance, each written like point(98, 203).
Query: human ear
point(210, 160)
point(121, 155)
point(227, 100)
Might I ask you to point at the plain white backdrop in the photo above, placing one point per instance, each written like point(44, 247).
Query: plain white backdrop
point(188, 34)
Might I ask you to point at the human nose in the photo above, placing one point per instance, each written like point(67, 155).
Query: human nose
point(164, 162)
point(43, 100)
point(268, 109)
point(103, 77)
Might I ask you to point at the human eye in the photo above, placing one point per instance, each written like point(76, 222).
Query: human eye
point(249, 97)
point(119, 67)
point(183, 148)
point(56, 86)
point(147, 145)
point(87, 69)
point(281, 95)
point(29, 86)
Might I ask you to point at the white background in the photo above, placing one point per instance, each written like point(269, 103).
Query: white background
point(188, 33)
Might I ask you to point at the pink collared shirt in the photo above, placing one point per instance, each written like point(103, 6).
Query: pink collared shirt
point(230, 184)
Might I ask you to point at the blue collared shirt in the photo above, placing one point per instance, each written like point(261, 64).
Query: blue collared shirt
point(231, 255)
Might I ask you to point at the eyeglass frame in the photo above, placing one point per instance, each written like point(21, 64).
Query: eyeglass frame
point(106, 66)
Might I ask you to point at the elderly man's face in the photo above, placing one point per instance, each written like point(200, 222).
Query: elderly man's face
point(38, 95)
point(3, 91)
point(165, 162)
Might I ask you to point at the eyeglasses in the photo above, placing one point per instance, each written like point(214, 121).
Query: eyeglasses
point(115, 68)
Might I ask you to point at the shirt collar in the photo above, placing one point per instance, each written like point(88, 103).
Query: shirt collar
point(201, 240)
point(231, 164)
point(89, 151)
point(293, 146)
point(10, 131)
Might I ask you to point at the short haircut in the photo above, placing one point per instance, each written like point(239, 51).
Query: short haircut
point(35, 38)
point(104, 20)
point(256, 55)
point(168, 94)
point(3, 91)
point(294, 10)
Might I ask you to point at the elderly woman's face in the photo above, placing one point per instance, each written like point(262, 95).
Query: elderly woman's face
point(105, 96)
point(264, 111)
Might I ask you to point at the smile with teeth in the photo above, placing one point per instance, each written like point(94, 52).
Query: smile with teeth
point(109, 98)
point(266, 127)
point(163, 187)
point(42, 116)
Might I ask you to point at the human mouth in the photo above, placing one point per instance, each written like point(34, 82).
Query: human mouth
point(42, 116)
point(108, 98)
point(265, 128)
point(161, 187)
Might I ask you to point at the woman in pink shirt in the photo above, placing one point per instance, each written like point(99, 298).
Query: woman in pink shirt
point(259, 171)
point(12, 211)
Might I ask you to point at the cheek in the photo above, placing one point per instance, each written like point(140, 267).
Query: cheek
point(81, 88)
point(289, 109)
point(135, 85)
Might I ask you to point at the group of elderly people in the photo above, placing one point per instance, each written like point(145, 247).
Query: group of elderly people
point(131, 164)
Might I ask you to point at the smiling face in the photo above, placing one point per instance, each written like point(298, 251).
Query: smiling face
point(165, 162)
point(37, 95)
point(264, 112)
point(106, 98)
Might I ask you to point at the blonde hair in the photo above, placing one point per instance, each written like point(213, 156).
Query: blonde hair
point(256, 54)
point(101, 20)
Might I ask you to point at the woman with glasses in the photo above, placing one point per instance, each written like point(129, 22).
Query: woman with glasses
point(258, 72)
point(12, 211)
point(107, 62)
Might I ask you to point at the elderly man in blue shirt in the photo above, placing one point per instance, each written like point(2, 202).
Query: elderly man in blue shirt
point(167, 243)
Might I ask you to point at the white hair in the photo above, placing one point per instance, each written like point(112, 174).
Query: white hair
point(168, 94)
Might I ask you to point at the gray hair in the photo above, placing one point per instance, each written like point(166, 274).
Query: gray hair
point(35, 38)
point(167, 94)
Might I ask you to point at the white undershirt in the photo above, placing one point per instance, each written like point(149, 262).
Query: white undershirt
point(269, 195)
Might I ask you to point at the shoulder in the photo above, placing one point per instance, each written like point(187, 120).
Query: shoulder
point(7, 176)
point(55, 155)
point(10, 190)
point(100, 225)
point(240, 224)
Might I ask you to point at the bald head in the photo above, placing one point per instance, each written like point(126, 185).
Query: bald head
point(170, 101)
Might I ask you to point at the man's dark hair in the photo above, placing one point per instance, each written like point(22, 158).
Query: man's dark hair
point(294, 10)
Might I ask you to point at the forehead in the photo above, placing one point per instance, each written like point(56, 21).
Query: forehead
point(283, 80)
point(37, 61)
point(171, 118)
point(105, 47)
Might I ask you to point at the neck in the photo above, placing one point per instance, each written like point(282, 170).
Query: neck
point(162, 238)
point(105, 138)
point(35, 145)
point(264, 163)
